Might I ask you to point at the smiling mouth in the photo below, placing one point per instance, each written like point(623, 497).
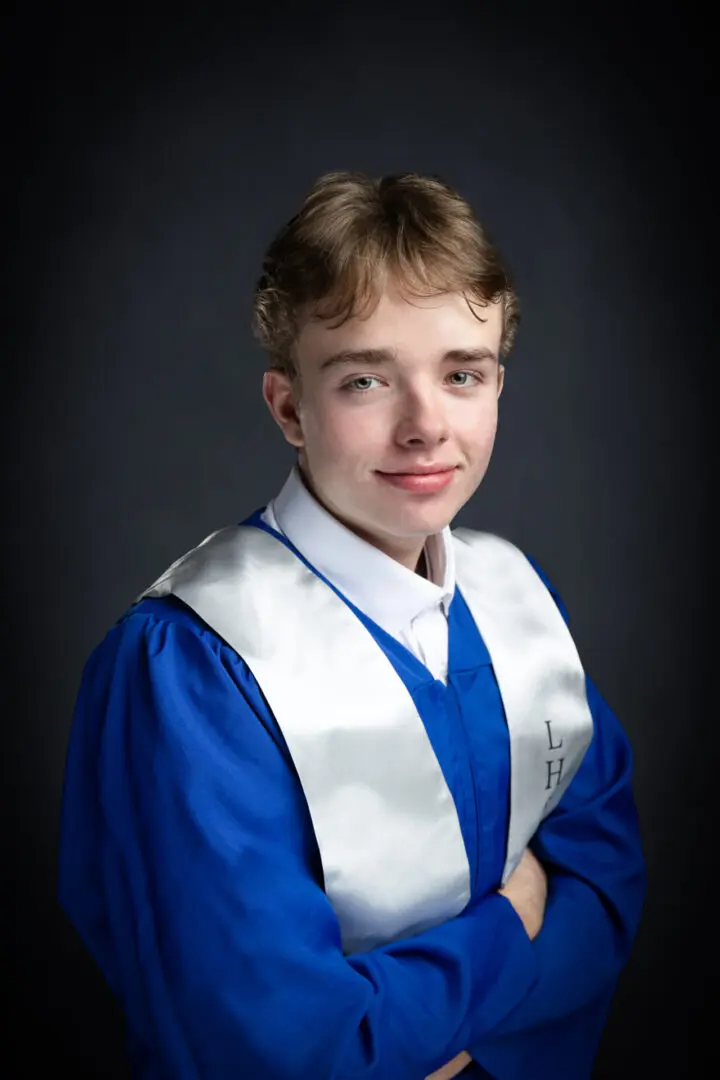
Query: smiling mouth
point(421, 483)
point(420, 470)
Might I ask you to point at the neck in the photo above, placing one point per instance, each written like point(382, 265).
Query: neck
point(411, 555)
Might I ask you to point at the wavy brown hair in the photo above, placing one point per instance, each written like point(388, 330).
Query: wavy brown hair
point(352, 234)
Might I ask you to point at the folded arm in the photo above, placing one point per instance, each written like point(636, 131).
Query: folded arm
point(190, 869)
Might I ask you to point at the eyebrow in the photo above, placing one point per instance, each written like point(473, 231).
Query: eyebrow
point(469, 356)
point(387, 356)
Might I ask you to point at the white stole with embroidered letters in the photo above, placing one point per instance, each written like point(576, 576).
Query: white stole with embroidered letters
point(393, 855)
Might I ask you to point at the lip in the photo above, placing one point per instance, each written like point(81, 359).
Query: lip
point(424, 480)
point(420, 470)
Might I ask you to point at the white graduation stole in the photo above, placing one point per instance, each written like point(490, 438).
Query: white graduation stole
point(393, 854)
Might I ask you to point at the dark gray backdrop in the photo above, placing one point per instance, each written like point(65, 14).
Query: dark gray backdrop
point(149, 160)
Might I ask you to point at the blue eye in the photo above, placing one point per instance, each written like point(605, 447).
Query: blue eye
point(465, 375)
point(354, 384)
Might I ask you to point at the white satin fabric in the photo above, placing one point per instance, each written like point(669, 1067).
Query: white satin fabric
point(539, 674)
point(392, 850)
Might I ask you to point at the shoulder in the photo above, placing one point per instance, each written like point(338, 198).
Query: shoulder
point(548, 585)
point(474, 539)
point(161, 666)
point(163, 635)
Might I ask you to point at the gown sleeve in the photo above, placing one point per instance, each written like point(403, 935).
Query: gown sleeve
point(590, 847)
point(189, 867)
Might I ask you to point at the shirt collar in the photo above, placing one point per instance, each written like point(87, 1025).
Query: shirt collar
point(382, 588)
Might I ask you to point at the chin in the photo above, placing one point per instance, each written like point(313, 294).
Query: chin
point(423, 522)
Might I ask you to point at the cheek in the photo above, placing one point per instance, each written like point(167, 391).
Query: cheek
point(337, 432)
point(477, 432)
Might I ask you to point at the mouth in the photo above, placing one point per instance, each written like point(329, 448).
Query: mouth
point(423, 479)
point(421, 470)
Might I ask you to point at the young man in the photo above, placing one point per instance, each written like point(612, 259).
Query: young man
point(340, 799)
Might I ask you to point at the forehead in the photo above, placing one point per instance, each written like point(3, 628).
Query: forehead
point(404, 324)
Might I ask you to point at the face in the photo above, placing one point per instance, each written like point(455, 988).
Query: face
point(396, 415)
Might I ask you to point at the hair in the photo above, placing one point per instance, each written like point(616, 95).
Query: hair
point(354, 234)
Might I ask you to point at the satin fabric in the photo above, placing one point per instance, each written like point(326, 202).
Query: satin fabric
point(393, 857)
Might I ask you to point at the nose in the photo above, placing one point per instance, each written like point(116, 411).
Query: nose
point(423, 420)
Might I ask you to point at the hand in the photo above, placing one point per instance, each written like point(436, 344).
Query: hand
point(526, 889)
point(452, 1068)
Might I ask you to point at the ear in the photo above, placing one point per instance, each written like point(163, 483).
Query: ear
point(500, 379)
point(280, 398)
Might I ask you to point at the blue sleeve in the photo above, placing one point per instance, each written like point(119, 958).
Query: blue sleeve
point(591, 850)
point(189, 867)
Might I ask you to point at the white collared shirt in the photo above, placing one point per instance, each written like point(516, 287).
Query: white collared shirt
point(411, 608)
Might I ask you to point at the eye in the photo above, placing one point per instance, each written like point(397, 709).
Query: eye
point(465, 377)
point(360, 384)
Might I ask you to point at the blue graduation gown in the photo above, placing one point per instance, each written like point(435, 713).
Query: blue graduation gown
point(189, 866)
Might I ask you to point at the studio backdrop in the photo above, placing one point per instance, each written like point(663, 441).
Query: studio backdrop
point(151, 159)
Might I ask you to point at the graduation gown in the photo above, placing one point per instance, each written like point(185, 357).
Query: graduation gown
point(190, 867)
